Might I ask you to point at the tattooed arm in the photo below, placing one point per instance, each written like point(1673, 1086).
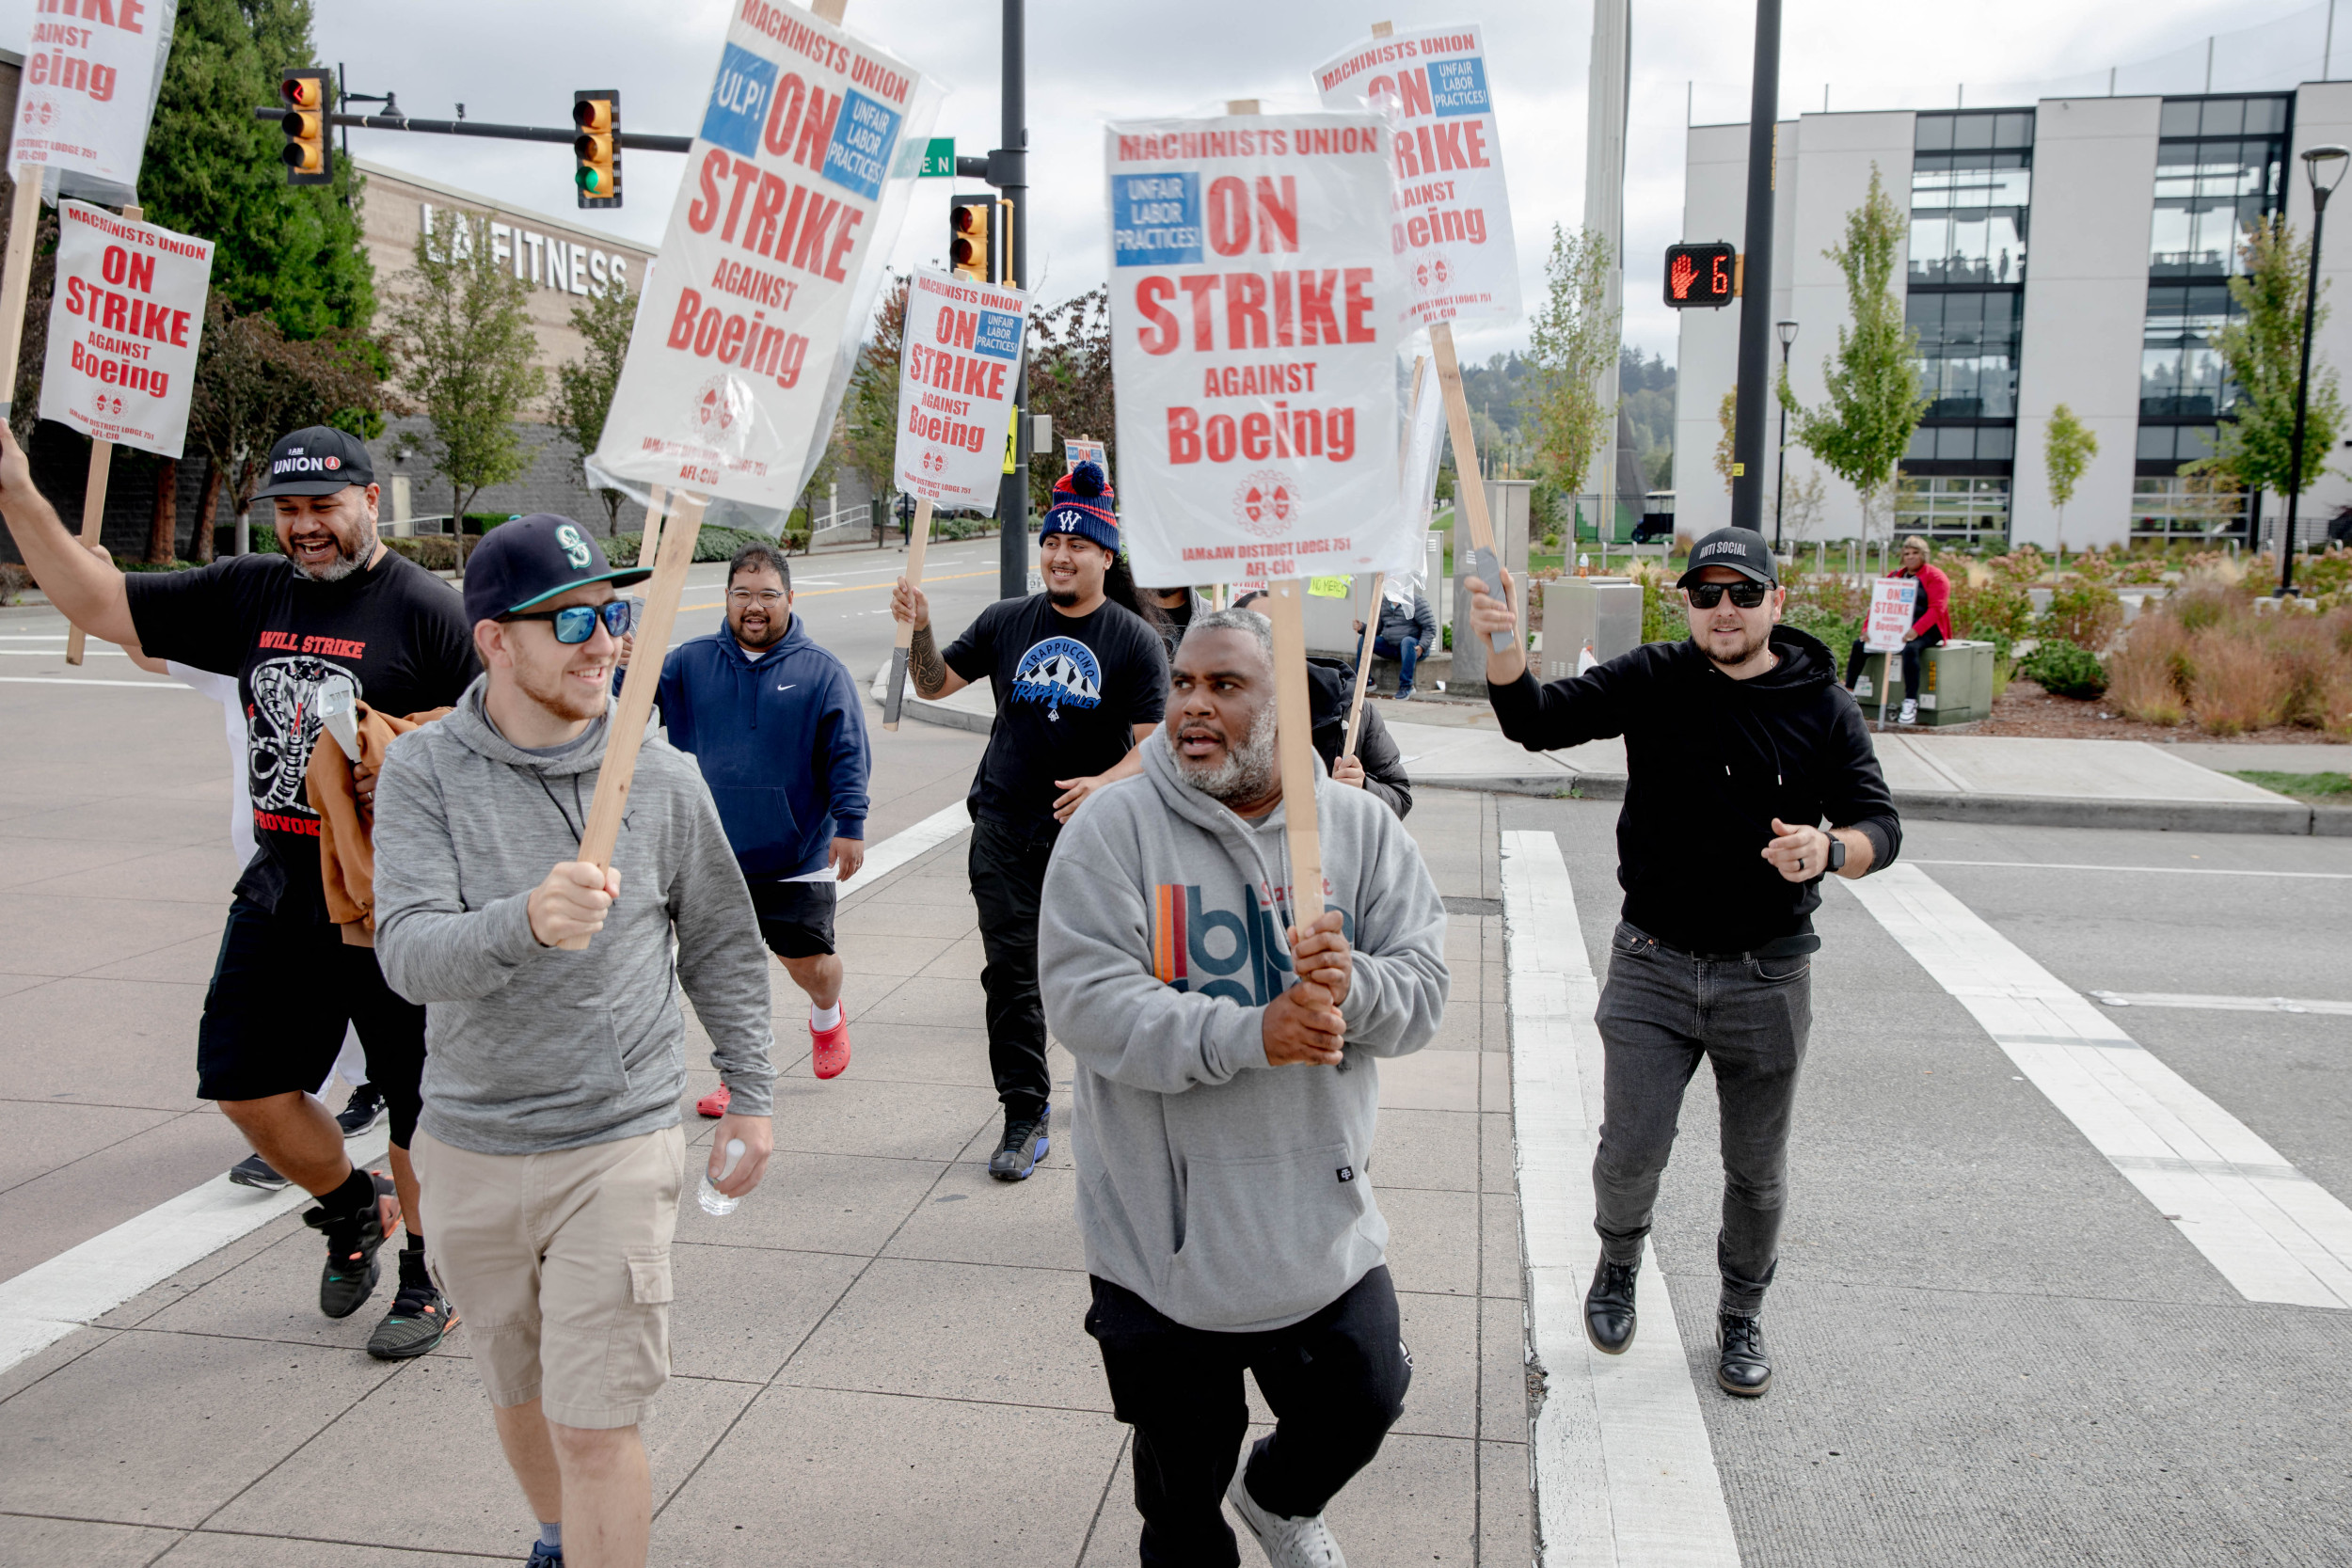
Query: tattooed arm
point(932, 678)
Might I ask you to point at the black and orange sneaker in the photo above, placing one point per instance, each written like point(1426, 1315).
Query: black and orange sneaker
point(352, 1243)
point(420, 1315)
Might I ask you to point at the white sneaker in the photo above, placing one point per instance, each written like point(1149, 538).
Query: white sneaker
point(1909, 714)
point(1287, 1543)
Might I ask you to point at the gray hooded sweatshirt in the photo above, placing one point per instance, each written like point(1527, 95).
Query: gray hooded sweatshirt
point(1229, 1195)
point(529, 1048)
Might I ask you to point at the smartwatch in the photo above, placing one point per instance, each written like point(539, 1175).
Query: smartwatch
point(1836, 854)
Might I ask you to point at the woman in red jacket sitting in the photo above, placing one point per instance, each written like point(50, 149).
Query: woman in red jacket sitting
point(1932, 623)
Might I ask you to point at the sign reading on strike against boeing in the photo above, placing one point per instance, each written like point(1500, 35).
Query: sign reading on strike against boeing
point(87, 92)
point(1255, 320)
point(956, 378)
point(125, 324)
point(1451, 220)
point(811, 143)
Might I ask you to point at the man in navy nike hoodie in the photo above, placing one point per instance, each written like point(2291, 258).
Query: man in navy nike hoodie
point(775, 723)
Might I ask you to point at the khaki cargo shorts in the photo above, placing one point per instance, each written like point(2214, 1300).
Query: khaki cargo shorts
point(559, 1266)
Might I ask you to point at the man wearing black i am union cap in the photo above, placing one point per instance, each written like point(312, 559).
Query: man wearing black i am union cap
point(1738, 743)
point(334, 609)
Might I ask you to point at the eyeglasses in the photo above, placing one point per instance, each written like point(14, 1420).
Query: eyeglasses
point(767, 598)
point(578, 623)
point(1706, 596)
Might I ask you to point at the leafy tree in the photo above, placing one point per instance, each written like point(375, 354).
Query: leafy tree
point(870, 411)
point(2263, 348)
point(212, 170)
point(585, 387)
point(1069, 379)
point(1575, 341)
point(461, 337)
point(1727, 420)
point(2067, 448)
point(1875, 395)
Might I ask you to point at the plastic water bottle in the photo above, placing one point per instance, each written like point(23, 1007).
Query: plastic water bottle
point(713, 1201)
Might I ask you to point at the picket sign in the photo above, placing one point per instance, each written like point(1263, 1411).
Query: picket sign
point(635, 712)
point(895, 700)
point(102, 461)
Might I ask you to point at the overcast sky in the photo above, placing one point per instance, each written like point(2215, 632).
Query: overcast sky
point(1113, 58)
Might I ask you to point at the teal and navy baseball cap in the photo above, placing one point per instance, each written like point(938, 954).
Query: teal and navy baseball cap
point(532, 560)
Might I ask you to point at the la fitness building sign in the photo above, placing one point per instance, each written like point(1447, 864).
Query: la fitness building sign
point(550, 261)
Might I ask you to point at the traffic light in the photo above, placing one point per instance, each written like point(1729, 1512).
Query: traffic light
point(598, 113)
point(308, 159)
point(980, 238)
point(1702, 276)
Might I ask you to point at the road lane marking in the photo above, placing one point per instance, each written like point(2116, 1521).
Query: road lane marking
point(51, 1299)
point(2218, 1003)
point(2273, 1233)
point(2163, 870)
point(1623, 1470)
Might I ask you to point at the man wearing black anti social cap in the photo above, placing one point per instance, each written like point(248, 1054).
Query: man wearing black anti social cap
point(332, 609)
point(1740, 742)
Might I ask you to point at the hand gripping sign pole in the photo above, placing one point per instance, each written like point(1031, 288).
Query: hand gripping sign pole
point(894, 703)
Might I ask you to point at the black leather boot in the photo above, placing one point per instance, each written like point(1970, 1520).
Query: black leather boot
point(1609, 1307)
point(1744, 1369)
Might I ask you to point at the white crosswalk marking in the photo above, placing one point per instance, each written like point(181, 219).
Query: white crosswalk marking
point(1624, 1472)
point(2220, 1004)
point(2273, 1232)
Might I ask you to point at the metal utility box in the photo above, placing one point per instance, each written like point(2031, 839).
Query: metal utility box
point(1602, 614)
point(1955, 684)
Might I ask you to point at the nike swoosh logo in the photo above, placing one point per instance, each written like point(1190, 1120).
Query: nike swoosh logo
point(787, 688)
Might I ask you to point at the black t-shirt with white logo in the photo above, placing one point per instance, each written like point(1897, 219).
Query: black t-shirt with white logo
point(1069, 691)
point(395, 634)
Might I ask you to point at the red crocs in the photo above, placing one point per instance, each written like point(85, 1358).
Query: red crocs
point(713, 1105)
point(832, 1047)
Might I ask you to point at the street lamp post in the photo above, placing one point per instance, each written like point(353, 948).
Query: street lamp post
point(1788, 331)
point(2324, 167)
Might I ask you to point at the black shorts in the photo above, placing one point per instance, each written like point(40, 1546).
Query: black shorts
point(283, 993)
point(795, 918)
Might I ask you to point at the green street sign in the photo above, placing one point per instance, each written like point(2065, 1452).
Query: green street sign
point(939, 158)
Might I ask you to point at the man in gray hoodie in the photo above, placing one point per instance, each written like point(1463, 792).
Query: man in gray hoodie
point(550, 1151)
point(1225, 1093)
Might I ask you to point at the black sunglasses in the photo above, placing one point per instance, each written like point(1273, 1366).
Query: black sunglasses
point(578, 623)
point(1706, 596)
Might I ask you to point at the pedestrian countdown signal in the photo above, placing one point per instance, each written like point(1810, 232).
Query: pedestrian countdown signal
point(598, 113)
point(1702, 276)
point(307, 160)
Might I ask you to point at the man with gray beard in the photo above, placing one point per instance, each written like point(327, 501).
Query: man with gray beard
point(331, 610)
point(1226, 1089)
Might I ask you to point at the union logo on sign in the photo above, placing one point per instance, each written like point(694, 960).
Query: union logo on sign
point(714, 406)
point(1266, 503)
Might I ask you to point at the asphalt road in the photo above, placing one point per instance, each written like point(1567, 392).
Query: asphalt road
point(1990, 1347)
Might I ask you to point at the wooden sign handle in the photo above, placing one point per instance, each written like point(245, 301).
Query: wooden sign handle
point(16, 281)
point(101, 458)
point(628, 720)
point(657, 505)
point(1469, 490)
point(1363, 662)
point(1285, 606)
point(919, 537)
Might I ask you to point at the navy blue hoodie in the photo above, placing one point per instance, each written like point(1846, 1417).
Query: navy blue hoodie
point(782, 744)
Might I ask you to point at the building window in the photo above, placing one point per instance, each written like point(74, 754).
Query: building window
point(2175, 443)
point(1968, 344)
point(2169, 508)
point(1962, 509)
point(2181, 373)
point(2220, 164)
point(1971, 183)
point(1963, 443)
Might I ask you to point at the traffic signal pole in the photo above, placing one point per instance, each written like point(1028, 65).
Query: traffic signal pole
point(1756, 288)
point(1009, 171)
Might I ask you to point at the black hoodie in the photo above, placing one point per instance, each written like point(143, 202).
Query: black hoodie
point(1709, 761)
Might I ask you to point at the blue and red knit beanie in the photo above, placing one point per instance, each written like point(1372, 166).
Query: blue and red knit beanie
point(1084, 505)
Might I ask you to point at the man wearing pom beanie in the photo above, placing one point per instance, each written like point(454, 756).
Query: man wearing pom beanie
point(1078, 681)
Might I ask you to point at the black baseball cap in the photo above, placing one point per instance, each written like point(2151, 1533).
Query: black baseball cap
point(533, 559)
point(1742, 549)
point(317, 461)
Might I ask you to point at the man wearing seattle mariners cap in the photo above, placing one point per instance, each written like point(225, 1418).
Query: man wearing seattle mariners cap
point(1739, 741)
point(330, 609)
point(550, 1154)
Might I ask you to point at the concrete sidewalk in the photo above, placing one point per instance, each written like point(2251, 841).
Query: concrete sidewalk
point(879, 1358)
point(2023, 782)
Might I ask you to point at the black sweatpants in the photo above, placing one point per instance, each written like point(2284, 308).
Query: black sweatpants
point(1007, 869)
point(1336, 1381)
point(1915, 649)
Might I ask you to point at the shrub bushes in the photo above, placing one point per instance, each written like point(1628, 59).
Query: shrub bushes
point(1827, 606)
point(2065, 669)
point(2085, 612)
point(2207, 654)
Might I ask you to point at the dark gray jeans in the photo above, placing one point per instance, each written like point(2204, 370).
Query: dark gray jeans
point(1660, 1011)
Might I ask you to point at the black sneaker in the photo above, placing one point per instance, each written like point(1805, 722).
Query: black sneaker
point(420, 1315)
point(352, 1243)
point(253, 1171)
point(1744, 1369)
point(363, 1110)
point(1024, 1144)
